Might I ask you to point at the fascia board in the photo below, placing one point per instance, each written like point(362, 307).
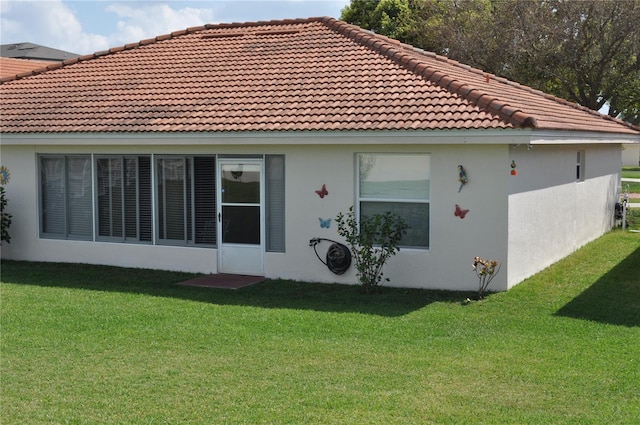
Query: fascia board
point(453, 137)
point(572, 137)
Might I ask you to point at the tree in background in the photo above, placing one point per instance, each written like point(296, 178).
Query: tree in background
point(587, 52)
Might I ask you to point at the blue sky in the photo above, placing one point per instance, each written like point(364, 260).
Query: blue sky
point(92, 25)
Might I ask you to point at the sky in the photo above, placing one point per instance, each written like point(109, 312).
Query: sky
point(89, 26)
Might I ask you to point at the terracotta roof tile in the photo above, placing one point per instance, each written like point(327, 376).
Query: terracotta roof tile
point(292, 75)
point(11, 67)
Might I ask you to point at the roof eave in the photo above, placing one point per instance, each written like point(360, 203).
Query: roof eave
point(554, 137)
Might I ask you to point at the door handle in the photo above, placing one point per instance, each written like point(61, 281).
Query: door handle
point(219, 217)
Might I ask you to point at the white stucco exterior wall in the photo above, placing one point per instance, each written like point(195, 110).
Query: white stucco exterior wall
point(631, 155)
point(526, 222)
point(454, 241)
point(551, 214)
point(21, 200)
point(445, 265)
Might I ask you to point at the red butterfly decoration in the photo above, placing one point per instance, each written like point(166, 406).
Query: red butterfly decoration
point(323, 192)
point(460, 212)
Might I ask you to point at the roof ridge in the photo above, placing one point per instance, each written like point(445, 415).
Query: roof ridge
point(396, 51)
point(156, 39)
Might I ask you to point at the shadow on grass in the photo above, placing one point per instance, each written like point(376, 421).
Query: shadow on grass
point(269, 294)
point(612, 299)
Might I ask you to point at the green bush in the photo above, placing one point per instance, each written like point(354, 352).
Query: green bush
point(5, 218)
point(372, 243)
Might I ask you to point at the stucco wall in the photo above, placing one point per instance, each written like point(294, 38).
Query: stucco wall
point(550, 213)
point(631, 155)
point(447, 264)
point(454, 241)
point(21, 200)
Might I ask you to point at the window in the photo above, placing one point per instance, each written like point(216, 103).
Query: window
point(123, 198)
point(186, 200)
point(126, 199)
point(399, 183)
point(66, 197)
point(580, 166)
point(274, 188)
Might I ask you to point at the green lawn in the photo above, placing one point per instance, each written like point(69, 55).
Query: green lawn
point(86, 345)
point(632, 187)
point(631, 172)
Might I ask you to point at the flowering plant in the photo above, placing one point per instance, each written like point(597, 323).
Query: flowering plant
point(485, 270)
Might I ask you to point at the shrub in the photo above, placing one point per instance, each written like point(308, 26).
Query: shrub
point(5, 218)
point(372, 243)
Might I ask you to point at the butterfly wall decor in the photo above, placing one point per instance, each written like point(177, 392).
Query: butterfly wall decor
point(460, 212)
point(322, 192)
point(325, 224)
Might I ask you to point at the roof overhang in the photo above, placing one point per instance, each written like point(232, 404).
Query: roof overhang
point(550, 137)
point(454, 137)
point(431, 137)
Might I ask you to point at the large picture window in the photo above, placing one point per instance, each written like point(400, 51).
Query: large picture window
point(399, 183)
point(66, 197)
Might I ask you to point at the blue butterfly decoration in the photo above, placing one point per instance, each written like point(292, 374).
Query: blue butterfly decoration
point(325, 224)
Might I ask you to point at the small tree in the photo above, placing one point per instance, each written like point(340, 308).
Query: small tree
point(372, 243)
point(485, 270)
point(5, 218)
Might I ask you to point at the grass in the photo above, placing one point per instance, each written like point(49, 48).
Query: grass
point(631, 172)
point(631, 187)
point(633, 219)
point(91, 344)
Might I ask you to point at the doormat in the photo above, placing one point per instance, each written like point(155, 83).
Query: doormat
point(223, 281)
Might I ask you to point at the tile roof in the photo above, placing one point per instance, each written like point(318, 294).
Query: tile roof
point(292, 75)
point(34, 52)
point(11, 67)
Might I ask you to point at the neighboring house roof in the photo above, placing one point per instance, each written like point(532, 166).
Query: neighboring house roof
point(35, 52)
point(10, 67)
point(297, 75)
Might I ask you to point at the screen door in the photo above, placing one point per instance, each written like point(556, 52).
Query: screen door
point(240, 216)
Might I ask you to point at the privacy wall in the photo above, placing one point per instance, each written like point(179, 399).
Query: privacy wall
point(562, 198)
